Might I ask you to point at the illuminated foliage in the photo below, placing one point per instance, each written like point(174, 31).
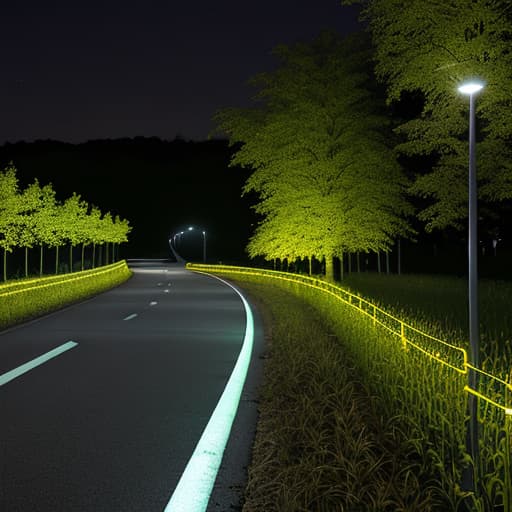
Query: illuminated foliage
point(328, 182)
point(428, 48)
point(34, 217)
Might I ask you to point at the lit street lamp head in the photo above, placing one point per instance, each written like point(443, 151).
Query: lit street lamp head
point(470, 87)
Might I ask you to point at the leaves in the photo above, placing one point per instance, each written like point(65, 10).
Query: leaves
point(33, 216)
point(325, 174)
point(430, 47)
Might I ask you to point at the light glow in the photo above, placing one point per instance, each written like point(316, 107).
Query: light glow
point(470, 87)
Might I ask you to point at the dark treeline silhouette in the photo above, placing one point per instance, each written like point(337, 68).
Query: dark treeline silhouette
point(159, 186)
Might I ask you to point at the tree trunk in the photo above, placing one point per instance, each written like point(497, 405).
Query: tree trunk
point(357, 262)
point(26, 261)
point(329, 268)
point(342, 265)
point(349, 263)
point(5, 264)
point(40, 260)
point(71, 257)
point(387, 262)
point(310, 263)
point(93, 255)
point(83, 253)
point(56, 259)
point(378, 262)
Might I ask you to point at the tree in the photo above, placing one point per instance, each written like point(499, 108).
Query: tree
point(327, 180)
point(48, 225)
point(428, 48)
point(73, 211)
point(10, 206)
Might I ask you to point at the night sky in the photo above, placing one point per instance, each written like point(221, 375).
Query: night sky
point(76, 71)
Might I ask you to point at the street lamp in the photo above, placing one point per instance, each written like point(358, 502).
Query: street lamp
point(471, 88)
point(191, 228)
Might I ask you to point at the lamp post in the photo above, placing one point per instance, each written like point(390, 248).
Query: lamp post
point(191, 228)
point(471, 88)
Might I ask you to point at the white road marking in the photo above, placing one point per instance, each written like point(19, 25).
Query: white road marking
point(129, 317)
point(166, 291)
point(24, 368)
point(153, 303)
point(196, 483)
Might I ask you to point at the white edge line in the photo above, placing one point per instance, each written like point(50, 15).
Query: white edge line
point(24, 368)
point(129, 317)
point(196, 483)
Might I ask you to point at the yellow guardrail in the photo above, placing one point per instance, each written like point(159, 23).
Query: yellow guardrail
point(26, 285)
point(439, 350)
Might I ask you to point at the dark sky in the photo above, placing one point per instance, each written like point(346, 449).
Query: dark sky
point(80, 70)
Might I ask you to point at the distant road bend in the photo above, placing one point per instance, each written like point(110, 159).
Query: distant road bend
point(103, 403)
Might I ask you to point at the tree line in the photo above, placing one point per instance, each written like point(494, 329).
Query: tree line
point(354, 140)
point(32, 217)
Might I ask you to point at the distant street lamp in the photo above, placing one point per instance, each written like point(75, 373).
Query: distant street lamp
point(191, 228)
point(471, 88)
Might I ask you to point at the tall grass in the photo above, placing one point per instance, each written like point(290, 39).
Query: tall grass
point(323, 443)
point(28, 298)
point(426, 399)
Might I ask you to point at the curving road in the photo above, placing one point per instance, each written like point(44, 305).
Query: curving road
point(109, 421)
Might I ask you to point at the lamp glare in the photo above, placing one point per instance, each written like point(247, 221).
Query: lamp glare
point(470, 87)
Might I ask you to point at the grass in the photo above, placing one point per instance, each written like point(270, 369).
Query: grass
point(323, 442)
point(421, 404)
point(25, 299)
point(440, 304)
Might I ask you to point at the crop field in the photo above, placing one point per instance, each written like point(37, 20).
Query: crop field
point(424, 398)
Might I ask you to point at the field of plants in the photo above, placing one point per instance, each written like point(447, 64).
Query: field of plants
point(421, 402)
point(24, 299)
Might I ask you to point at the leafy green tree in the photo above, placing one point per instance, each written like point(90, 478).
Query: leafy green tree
point(73, 212)
point(48, 225)
point(121, 228)
point(95, 227)
point(316, 139)
point(10, 206)
point(28, 214)
point(427, 48)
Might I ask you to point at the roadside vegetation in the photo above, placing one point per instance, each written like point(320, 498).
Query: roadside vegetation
point(25, 299)
point(439, 304)
point(32, 218)
point(349, 420)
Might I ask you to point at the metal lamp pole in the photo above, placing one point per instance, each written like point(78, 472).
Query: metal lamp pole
point(204, 246)
point(470, 89)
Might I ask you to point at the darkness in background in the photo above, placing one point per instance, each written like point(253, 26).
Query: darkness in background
point(161, 187)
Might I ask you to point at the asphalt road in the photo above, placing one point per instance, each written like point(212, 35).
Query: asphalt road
point(110, 423)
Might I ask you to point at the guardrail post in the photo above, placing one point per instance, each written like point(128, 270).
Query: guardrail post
point(374, 314)
point(402, 335)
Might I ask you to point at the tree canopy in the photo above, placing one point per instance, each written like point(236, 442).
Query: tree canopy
point(33, 216)
point(429, 47)
point(318, 143)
